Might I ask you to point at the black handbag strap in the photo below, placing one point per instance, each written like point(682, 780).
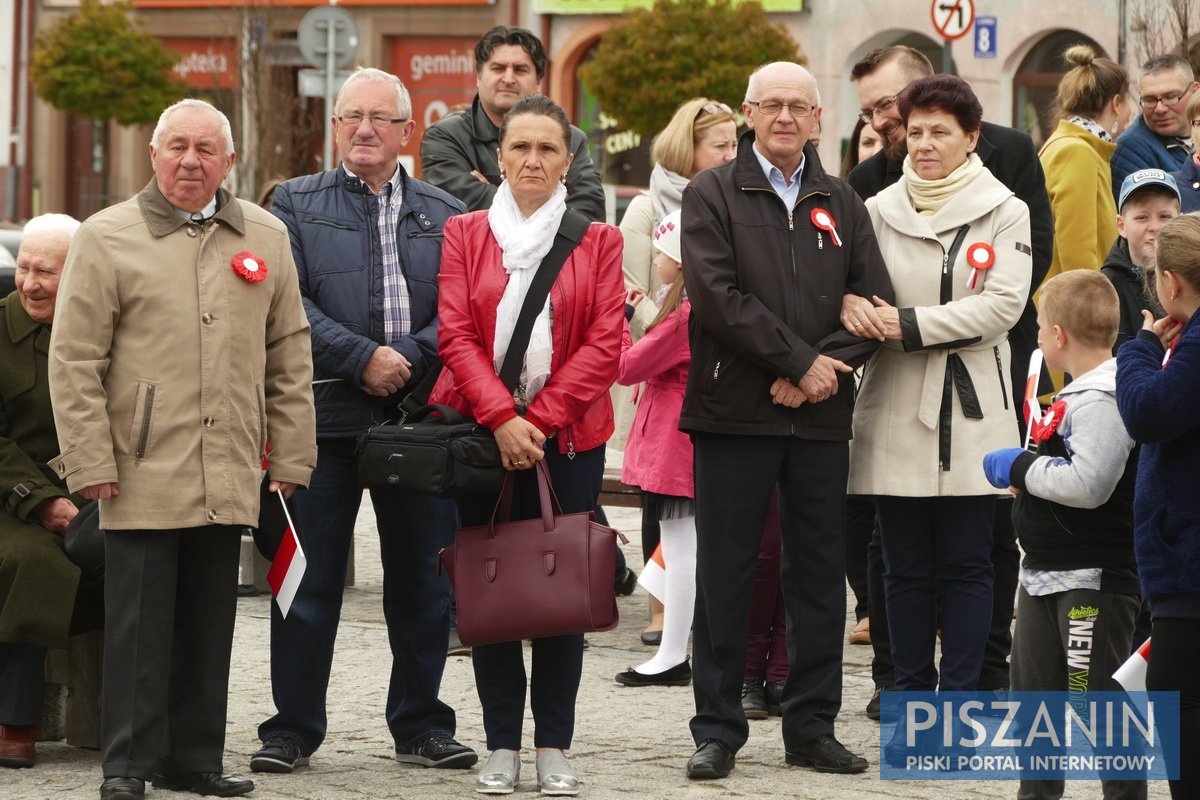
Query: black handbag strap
point(419, 396)
point(570, 233)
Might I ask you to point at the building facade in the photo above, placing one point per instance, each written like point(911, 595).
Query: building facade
point(243, 56)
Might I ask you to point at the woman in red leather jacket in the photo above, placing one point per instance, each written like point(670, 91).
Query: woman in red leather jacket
point(560, 410)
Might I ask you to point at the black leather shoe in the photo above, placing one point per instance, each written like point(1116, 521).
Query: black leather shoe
point(712, 759)
point(754, 701)
point(678, 675)
point(122, 789)
point(651, 638)
point(774, 698)
point(873, 704)
point(826, 754)
point(206, 783)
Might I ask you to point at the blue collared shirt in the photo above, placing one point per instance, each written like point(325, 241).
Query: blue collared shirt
point(788, 193)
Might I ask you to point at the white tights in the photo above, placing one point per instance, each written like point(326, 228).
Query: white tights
point(679, 556)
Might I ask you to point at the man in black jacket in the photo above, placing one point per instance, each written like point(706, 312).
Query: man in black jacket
point(770, 245)
point(459, 153)
point(882, 76)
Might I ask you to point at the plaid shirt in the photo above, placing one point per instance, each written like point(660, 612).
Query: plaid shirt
point(397, 314)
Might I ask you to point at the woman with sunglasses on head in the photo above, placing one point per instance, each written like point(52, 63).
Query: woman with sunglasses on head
point(701, 134)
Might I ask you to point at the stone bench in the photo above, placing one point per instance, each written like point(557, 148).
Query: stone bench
point(71, 709)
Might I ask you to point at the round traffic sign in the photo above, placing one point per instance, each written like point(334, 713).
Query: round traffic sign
point(952, 18)
point(313, 36)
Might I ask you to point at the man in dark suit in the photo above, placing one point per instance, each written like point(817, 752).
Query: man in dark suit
point(882, 75)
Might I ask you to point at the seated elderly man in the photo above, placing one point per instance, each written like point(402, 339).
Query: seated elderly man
point(39, 587)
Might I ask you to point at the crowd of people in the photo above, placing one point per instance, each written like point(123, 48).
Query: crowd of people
point(167, 351)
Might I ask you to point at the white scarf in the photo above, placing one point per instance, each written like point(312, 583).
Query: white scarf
point(666, 191)
point(524, 242)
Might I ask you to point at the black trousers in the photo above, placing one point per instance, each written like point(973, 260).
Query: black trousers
point(1006, 563)
point(1043, 648)
point(927, 540)
point(1173, 660)
point(170, 598)
point(735, 476)
point(553, 683)
point(22, 683)
point(860, 527)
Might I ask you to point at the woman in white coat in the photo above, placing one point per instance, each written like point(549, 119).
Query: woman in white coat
point(934, 398)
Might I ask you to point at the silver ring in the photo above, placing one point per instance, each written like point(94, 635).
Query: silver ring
point(858, 324)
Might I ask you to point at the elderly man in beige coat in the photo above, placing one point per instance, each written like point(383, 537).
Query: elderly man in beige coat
point(181, 348)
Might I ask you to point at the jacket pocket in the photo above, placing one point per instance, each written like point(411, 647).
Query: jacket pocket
point(341, 226)
point(261, 397)
point(142, 426)
point(425, 234)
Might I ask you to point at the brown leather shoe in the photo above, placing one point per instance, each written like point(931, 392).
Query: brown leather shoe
point(17, 745)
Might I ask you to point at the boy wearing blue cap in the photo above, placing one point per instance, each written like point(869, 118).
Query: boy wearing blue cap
point(1148, 199)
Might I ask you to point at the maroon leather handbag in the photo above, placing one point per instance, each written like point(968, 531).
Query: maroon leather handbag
point(531, 578)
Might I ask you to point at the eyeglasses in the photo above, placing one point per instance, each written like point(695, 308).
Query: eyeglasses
point(715, 108)
point(773, 107)
point(879, 109)
point(378, 121)
point(1170, 101)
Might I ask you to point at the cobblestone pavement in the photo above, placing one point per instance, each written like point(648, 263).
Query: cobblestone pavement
point(629, 743)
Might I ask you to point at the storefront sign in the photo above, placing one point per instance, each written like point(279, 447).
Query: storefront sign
point(619, 6)
point(439, 72)
point(205, 63)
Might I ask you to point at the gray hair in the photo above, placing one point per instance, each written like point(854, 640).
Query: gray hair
point(403, 101)
point(752, 84)
point(1168, 62)
point(191, 102)
point(63, 224)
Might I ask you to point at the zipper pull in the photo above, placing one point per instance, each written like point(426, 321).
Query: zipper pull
point(716, 370)
point(570, 450)
point(791, 224)
point(820, 241)
point(945, 261)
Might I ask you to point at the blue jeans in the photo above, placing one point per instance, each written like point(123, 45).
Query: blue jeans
point(416, 604)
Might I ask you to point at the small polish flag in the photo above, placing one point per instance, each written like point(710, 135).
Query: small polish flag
point(1031, 408)
point(1132, 674)
point(654, 577)
point(288, 566)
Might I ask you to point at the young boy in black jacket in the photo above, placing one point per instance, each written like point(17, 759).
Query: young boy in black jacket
point(1079, 593)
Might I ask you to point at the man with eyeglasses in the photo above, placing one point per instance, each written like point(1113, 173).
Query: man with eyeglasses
point(459, 153)
point(367, 242)
point(771, 243)
point(1161, 137)
point(881, 76)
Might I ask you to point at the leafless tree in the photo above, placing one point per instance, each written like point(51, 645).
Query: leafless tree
point(1163, 26)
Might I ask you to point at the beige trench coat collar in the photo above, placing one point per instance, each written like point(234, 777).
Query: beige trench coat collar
point(163, 219)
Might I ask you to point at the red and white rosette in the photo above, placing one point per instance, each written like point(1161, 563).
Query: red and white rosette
point(980, 256)
point(249, 267)
point(825, 221)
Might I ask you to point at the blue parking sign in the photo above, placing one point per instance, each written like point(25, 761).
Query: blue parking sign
point(985, 37)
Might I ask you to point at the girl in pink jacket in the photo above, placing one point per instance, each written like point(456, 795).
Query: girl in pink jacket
point(658, 457)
